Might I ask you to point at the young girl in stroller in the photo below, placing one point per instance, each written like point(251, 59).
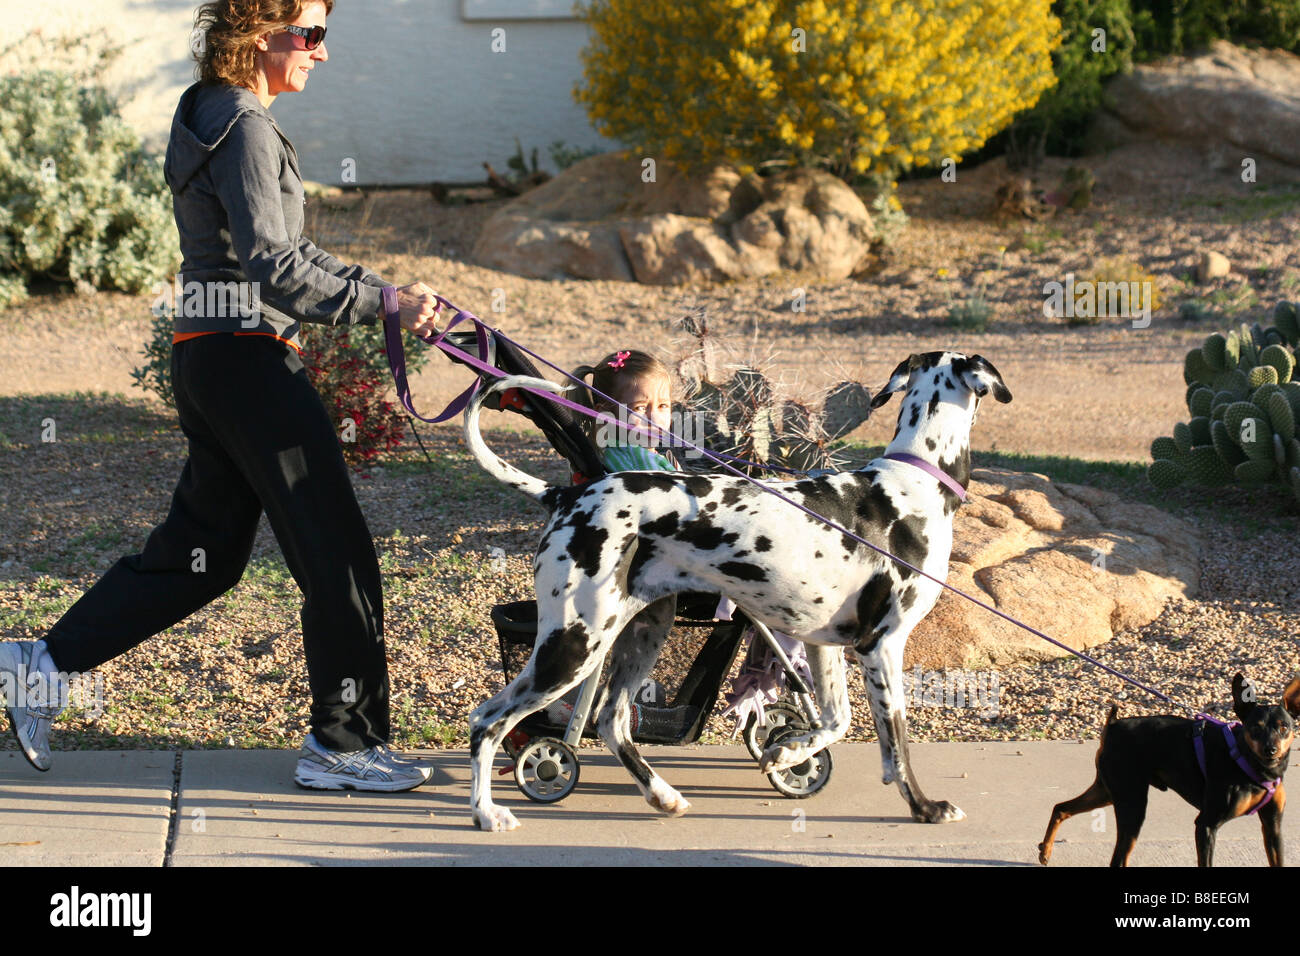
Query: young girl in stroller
point(643, 384)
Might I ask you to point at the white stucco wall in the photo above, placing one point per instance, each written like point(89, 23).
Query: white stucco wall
point(412, 90)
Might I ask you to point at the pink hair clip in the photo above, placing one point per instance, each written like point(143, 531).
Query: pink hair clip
point(621, 358)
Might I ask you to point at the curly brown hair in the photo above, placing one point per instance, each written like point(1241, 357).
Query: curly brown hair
point(230, 29)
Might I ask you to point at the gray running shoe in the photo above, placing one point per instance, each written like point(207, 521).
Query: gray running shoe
point(375, 768)
point(27, 707)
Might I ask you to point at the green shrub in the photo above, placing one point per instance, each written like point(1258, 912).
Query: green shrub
point(80, 201)
point(1137, 31)
point(1163, 27)
point(970, 314)
point(1057, 123)
point(564, 156)
point(155, 375)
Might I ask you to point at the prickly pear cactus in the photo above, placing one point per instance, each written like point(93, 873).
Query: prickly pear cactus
point(702, 362)
point(742, 414)
point(1244, 408)
point(847, 406)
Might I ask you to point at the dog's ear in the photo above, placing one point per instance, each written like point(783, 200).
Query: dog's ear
point(981, 378)
point(897, 381)
point(1291, 698)
point(1244, 696)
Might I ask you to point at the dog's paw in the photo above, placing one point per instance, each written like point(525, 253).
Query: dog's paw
point(888, 771)
point(495, 819)
point(666, 800)
point(938, 811)
point(1044, 853)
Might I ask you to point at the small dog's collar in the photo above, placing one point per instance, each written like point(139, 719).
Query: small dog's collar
point(1198, 742)
point(930, 469)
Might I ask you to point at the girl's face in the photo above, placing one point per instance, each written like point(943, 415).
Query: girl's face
point(651, 397)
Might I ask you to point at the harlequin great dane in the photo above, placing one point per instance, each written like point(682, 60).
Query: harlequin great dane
point(623, 546)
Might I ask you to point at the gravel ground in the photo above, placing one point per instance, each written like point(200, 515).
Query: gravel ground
point(232, 673)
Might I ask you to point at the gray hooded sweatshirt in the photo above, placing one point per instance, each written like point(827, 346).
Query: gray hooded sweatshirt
point(238, 198)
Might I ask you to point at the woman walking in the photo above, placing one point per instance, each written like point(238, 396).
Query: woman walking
point(259, 435)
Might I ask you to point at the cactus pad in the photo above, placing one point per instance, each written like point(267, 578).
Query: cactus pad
point(1280, 416)
point(1234, 382)
point(1232, 350)
point(1205, 467)
point(846, 407)
point(1259, 398)
point(1196, 369)
point(1213, 352)
point(1262, 375)
point(1255, 472)
point(1250, 344)
point(1200, 429)
point(1287, 321)
point(1260, 447)
point(1237, 413)
point(1163, 447)
point(1228, 449)
point(1280, 360)
point(1164, 473)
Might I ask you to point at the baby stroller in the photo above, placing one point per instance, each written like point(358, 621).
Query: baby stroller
point(674, 706)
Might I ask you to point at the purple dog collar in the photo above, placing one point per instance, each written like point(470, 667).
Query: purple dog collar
point(1198, 742)
point(930, 469)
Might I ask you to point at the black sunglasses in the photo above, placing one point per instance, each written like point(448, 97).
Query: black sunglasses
point(312, 36)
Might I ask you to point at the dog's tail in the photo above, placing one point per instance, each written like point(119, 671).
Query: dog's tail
point(1110, 719)
point(505, 473)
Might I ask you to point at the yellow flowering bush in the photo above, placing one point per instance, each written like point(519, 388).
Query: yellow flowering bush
point(853, 86)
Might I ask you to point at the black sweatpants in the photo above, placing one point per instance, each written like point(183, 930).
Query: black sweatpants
point(259, 437)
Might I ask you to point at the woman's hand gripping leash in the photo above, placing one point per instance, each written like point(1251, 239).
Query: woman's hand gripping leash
point(417, 307)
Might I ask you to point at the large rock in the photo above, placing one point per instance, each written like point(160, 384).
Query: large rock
point(600, 220)
point(1231, 101)
point(1077, 563)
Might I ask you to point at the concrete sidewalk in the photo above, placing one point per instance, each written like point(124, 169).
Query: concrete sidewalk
point(238, 808)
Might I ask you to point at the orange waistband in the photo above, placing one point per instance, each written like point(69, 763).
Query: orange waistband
point(185, 336)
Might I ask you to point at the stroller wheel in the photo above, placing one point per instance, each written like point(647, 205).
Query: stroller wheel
point(806, 778)
point(774, 715)
point(546, 770)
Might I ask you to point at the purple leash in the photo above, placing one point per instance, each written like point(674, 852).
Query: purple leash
point(397, 361)
point(397, 364)
point(397, 356)
point(1198, 741)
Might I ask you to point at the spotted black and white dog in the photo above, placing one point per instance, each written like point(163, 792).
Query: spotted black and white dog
point(622, 547)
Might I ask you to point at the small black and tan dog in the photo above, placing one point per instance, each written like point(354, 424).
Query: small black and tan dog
point(1224, 770)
